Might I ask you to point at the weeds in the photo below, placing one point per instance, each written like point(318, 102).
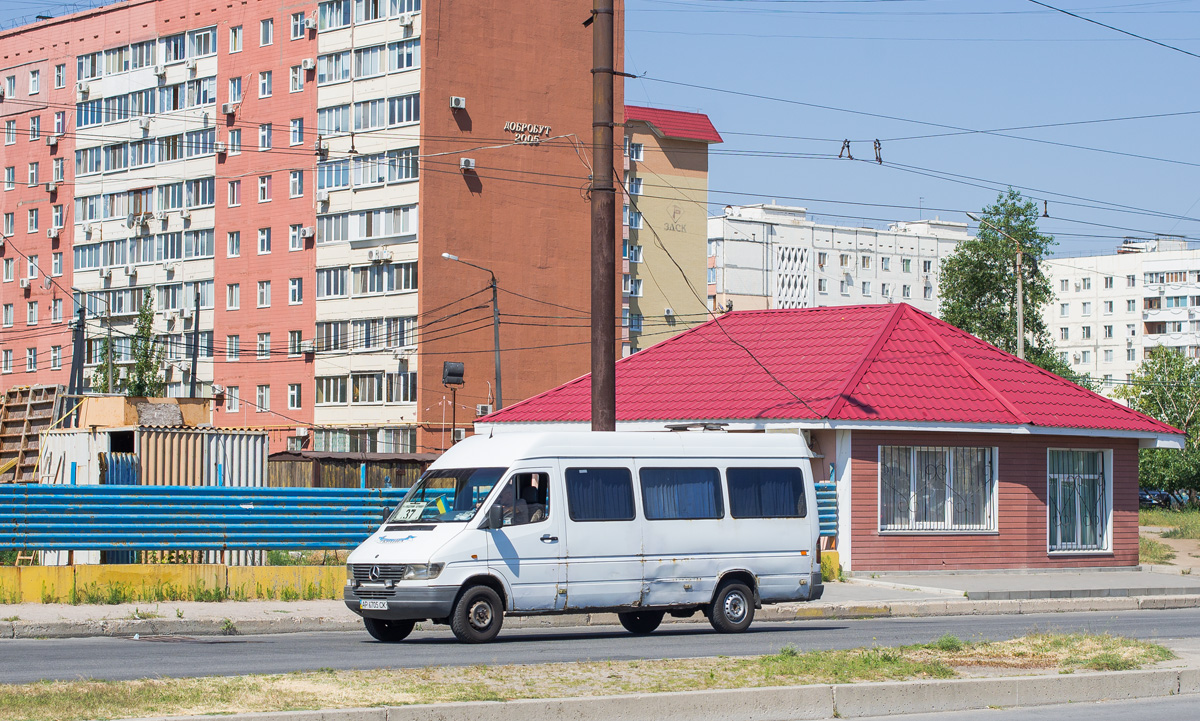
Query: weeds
point(1154, 552)
point(1184, 523)
point(948, 642)
point(228, 627)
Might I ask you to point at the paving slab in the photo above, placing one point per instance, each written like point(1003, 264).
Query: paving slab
point(1028, 585)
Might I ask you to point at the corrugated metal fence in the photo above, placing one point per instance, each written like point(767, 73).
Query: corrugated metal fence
point(111, 518)
point(827, 508)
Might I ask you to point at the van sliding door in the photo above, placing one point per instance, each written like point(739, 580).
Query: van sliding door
point(604, 537)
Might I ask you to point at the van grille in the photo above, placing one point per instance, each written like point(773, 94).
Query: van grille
point(387, 571)
point(374, 592)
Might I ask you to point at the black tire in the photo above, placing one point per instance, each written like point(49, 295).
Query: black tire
point(388, 631)
point(477, 616)
point(732, 609)
point(641, 622)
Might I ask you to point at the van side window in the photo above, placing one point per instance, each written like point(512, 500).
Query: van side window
point(525, 499)
point(766, 493)
point(600, 494)
point(681, 493)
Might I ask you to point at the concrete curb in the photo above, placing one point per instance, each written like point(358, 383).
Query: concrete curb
point(790, 612)
point(820, 701)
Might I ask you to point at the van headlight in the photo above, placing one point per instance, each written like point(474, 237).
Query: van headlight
point(422, 571)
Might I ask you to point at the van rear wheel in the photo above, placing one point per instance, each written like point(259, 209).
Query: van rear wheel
point(477, 616)
point(388, 631)
point(733, 608)
point(641, 622)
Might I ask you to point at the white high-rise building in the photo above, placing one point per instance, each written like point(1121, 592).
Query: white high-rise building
point(772, 256)
point(1110, 310)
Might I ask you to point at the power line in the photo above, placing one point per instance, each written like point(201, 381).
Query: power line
point(1110, 27)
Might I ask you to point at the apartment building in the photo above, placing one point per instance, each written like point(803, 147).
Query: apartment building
point(773, 256)
point(666, 211)
point(1110, 310)
point(284, 181)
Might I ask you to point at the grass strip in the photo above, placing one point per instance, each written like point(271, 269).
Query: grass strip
point(1183, 523)
point(1154, 552)
point(948, 657)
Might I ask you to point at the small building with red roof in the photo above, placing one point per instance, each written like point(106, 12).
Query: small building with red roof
point(945, 452)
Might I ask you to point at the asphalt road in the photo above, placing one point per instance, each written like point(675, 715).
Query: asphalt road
point(25, 660)
point(1184, 708)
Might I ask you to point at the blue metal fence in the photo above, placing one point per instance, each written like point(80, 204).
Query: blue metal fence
point(159, 518)
point(827, 508)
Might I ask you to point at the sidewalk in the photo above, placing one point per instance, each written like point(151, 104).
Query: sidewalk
point(887, 595)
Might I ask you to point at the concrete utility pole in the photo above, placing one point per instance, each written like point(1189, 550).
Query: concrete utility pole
point(1020, 284)
point(604, 211)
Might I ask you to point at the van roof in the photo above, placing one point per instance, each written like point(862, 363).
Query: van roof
point(504, 449)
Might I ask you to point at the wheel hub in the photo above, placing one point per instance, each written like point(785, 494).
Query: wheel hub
point(480, 615)
point(735, 607)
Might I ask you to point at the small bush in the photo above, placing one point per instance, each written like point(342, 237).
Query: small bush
point(948, 642)
point(1154, 552)
point(829, 570)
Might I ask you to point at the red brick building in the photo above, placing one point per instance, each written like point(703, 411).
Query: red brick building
point(946, 452)
point(301, 169)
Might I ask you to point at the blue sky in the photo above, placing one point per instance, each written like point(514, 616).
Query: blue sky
point(979, 65)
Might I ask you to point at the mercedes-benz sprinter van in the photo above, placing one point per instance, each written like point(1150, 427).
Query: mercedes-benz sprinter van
point(643, 524)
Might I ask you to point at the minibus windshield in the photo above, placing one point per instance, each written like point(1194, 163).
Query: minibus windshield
point(447, 495)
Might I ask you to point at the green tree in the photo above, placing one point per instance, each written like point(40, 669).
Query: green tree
point(1166, 386)
point(145, 377)
point(979, 282)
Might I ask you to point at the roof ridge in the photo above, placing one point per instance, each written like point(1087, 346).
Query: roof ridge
point(881, 336)
point(973, 372)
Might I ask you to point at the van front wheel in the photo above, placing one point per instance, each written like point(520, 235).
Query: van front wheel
point(477, 615)
point(388, 631)
point(641, 622)
point(733, 608)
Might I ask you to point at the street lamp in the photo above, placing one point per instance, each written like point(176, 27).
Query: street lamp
point(495, 321)
point(1020, 284)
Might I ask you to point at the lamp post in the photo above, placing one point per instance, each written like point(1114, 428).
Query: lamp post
point(1020, 284)
point(495, 321)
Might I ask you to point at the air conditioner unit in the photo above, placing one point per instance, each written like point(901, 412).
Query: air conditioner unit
point(308, 346)
point(185, 214)
point(190, 63)
point(310, 23)
point(144, 123)
point(483, 409)
point(379, 255)
point(308, 231)
point(219, 146)
point(308, 64)
point(301, 432)
point(668, 312)
point(130, 270)
point(405, 19)
point(160, 70)
point(185, 313)
point(86, 228)
point(122, 372)
point(52, 233)
point(322, 196)
point(106, 273)
point(458, 103)
point(168, 267)
point(466, 163)
point(229, 108)
point(459, 434)
point(1077, 287)
point(25, 283)
point(81, 88)
point(217, 389)
point(160, 215)
point(321, 146)
point(51, 140)
point(47, 282)
point(51, 187)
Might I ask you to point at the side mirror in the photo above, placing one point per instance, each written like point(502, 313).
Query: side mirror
point(495, 517)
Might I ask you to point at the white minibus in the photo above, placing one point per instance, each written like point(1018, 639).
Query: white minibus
point(641, 524)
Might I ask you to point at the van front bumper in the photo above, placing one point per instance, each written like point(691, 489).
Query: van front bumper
point(405, 603)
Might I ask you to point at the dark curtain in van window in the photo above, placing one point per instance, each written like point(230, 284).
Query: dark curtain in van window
point(681, 493)
point(600, 494)
point(766, 493)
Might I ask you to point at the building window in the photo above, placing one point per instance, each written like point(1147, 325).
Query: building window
point(233, 348)
point(264, 84)
point(233, 244)
point(262, 399)
point(1108, 331)
point(1108, 282)
point(822, 285)
point(1108, 307)
point(235, 39)
point(1079, 501)
point(31, 313)
point(263, 349)
point(60, 75)
point(264, 294)
point(233, 296)
point(885, 263)
point(264, 189)
point(10, 132)
point(295, 79)
point(928, 292)
point(295, 291)
point(1087, 283)
point(266, 32)
point(297, 25)
point(1064, 310)
point(264, 241)
point(906, 265)
point(937, 489)
point(235, 142)
point(35, 128)
point(8, 315)
point(32, 220)
point(296, 136)
point(30, 360)
point(1131, 281)
point(1085, 356)
point(866, 287)
point(293, 396)
point(56, 310)
point(295, 242)
point(1064, 333)
point(866, 262)
point(264, 136)
point(1131, 354)
point(235, 193)
point(1087, 308)
point(636, 151)
point(296, 183)
point(1085, 332)
point(55, 357)
point(295, 337)
point(844, 260)
point(1108, 356)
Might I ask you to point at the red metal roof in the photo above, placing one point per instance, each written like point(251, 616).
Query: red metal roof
point(890, 363)
point(675, 123)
